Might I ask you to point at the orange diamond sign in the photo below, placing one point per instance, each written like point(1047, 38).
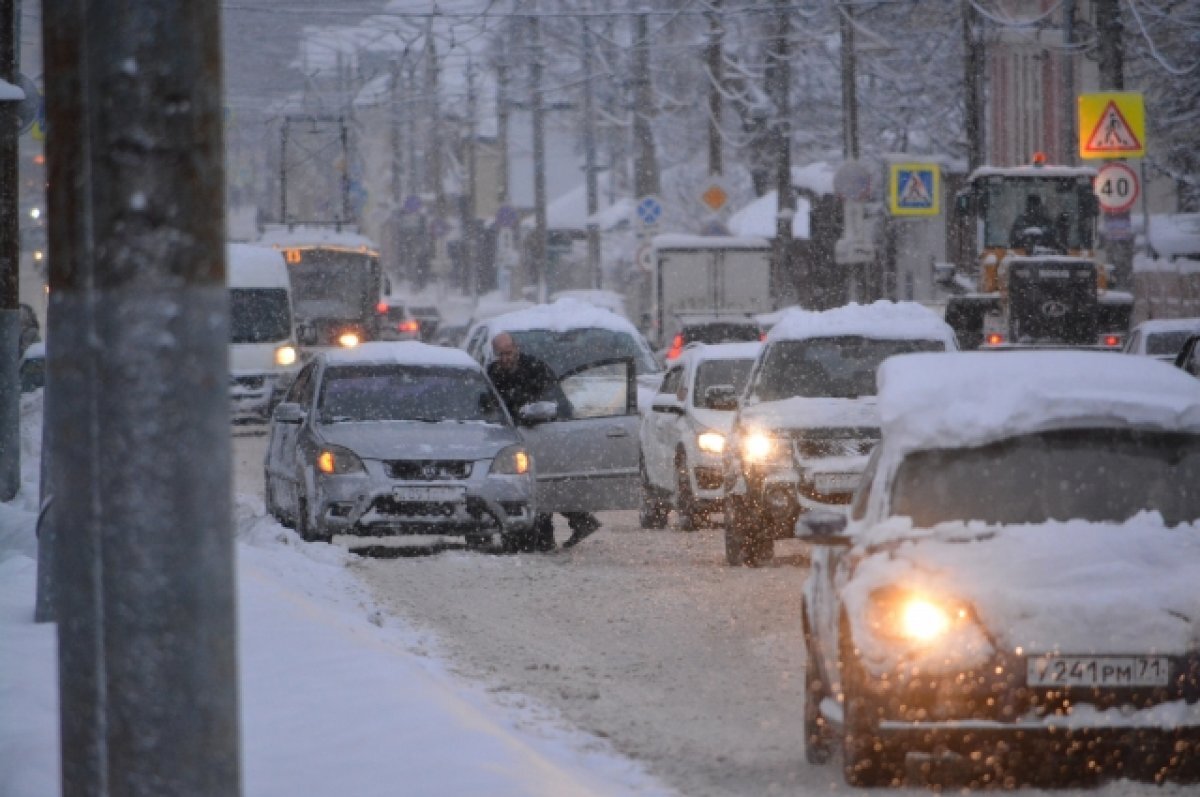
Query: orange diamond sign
point(714, 197)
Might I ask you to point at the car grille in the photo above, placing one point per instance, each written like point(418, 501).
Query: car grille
point(428, 470)
point(848, 442)
point(414, 509)
point(247, 382)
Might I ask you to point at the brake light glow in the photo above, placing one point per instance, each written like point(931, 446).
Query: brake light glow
point(411, 325)
point(676, 347)
point(381, 308)
point(1112, 341)
point(995, 339)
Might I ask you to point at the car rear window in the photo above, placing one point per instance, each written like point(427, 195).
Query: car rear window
point(720, 332)
point(407, 393)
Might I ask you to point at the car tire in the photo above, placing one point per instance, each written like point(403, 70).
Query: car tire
point(868, 760)
point(817, 747)
point(687, 515)
point(653, 510)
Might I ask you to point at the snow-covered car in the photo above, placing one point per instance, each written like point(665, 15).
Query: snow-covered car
point(398, 438)
point(1161, 338)
point(1015, 583)
point(567, 334)
point(683, 437)
point(808, 420)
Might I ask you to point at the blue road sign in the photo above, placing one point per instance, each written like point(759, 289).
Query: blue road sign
point(649, 210)
point(412, 204)
point(914, 188)
point(507, 216)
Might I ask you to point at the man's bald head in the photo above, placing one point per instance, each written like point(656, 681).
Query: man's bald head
point(506, 351)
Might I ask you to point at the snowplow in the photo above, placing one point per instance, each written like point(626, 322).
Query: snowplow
point(1037, 279)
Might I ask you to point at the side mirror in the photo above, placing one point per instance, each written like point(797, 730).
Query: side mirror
point(537, 412)
point(288, 412)
point(306, 335)
point(721, 397)
point(822, 527)
point(943, 273)
point(666, 406)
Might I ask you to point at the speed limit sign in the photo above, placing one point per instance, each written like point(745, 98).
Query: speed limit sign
point(1116, 187)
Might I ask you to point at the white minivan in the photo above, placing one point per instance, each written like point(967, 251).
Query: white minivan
point(262, 336)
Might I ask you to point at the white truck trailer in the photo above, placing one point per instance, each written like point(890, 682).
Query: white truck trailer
point(713, 276)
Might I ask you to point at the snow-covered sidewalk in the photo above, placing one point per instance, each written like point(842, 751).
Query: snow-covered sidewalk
point(336, 697)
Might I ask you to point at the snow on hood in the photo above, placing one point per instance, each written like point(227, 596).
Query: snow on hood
point(959, 399)
point(717, 420)
point(801, 412)
point(883, 320)
point(565, 314)
point(471, 440)
point(1070, 587)
point(405, 352)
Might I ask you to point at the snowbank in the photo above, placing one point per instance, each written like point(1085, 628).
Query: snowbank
point(883, 320)
point(758, 218)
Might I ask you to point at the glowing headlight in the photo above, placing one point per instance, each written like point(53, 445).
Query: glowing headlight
point(285, 355)
point(349, 339)
point(712, 442)
point(512, 461)
point(757, 447)
point(917, 618)
point(336, 461)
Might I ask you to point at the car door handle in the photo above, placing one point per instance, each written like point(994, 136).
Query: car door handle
point(617, 431)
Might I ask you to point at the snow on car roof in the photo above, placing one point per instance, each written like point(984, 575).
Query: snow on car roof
point(565, 314)
point(406, 352)
point(251, 266)
point(302, 235)
point(1169, 325)
point(884, 320)
point(701, 352)
point(949, 400)
point(1032, 171)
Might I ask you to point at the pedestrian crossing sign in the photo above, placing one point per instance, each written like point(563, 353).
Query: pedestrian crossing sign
point(1112, 124)
point(914, 189)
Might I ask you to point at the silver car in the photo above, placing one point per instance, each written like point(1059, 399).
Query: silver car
point(398, 438)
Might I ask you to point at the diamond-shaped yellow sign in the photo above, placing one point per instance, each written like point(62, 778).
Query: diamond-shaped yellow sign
point(714, 197)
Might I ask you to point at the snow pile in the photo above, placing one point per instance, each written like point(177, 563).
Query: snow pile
point(883, 320)
point(970, 398)
point(560, 316)
point(405, 352)
point(758, 218)
point(1175, 235)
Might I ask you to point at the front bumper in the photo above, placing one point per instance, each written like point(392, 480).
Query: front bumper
point(371, 506)
point(250, 395)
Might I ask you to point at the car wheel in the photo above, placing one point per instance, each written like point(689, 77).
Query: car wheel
point(868, 760)
point(652, 512)
point(685, 503)
point(817, 749)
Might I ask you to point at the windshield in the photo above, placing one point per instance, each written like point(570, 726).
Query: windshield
point(1161, 343)
point(1006, 199)
point(408, 393)
point(1092, 474)
point(259, 315)
point(841, 367)
point(330, 284)
point(566, 351)
point(721, 372)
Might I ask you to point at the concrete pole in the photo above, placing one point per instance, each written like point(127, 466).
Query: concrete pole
point(470, 218)
point(138, 367)
point(1070, 152)
point(10, 266)
point(537, 247)
point(715, 59)
point(973, 65)
point(1111, 31)
point(645, 166)
point(779, 74)
point(589, 166)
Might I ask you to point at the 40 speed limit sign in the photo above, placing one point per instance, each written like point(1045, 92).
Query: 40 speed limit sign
point(1116, 187)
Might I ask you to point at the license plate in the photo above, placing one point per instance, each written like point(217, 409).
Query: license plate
point(1097, 671)
point(427, 493)
point(836, 482)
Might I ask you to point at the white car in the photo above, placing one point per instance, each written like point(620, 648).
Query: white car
point(808, 420)
point(1161, 338)
point(1014, 587)
point(683, 436)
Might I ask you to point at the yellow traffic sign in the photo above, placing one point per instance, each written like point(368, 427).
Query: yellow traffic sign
point(914, 188)
point(1112, 124)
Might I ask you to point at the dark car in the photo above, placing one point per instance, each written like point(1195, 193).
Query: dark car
point(1014, 590)
point(713, 329)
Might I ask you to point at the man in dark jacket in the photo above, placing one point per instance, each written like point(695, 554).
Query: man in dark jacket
point(521, 379)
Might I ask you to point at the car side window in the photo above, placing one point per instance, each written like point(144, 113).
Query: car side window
point(1132, 346)
point(671, 381)
point(301, 391)
point(862, 496)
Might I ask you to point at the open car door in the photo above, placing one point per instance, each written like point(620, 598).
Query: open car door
point(586, 459)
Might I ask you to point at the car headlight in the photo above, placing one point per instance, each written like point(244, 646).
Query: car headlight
point(712, 442)
point(337, 461)
point(915, 617)
point(512, 461)
point(760, 447)
point(349, 340)
point(285, 355)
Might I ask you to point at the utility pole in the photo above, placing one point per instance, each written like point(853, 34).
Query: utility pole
point(10, 265)
point(645, 165)
point(849, 84)
point(715, 58)
point(138, 348)
point(470, 220)
point(973, 65)
point(538, 243)
point(1070, 135)
point(779, 77)
point(589, 150)
point(1111, 48)
point(394, 123)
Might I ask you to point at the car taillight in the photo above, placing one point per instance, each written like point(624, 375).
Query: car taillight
point(1112, 341)
point(411, 325)
point(381, 308)
point(995, 339)
point(676, 347)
